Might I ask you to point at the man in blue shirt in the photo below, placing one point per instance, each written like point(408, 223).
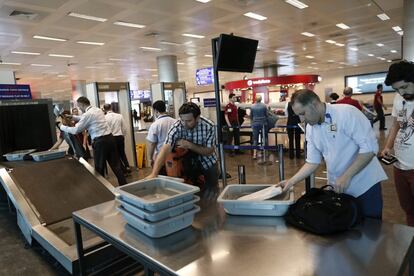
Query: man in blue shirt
point(343, 136)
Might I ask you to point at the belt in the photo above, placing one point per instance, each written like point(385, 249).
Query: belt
point(96, 139)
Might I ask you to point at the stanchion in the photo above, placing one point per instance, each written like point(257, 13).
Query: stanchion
point(281, 163)
point(242, 174)
point(222, 165)
point(265, 162)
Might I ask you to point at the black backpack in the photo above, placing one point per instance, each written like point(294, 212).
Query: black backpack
point(322, 211)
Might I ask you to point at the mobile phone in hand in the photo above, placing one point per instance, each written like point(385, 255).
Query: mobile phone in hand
point(388, 160)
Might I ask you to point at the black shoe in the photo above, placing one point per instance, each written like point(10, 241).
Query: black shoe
point(238, 152)
point(383, 128)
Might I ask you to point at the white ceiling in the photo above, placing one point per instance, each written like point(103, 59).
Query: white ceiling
point(167, 20)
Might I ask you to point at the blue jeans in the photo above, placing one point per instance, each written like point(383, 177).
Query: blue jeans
point(371, 202)
point(258, 129)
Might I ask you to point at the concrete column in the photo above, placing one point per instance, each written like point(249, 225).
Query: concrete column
point(269, 71)
point(167, 68)
point(408, 28)
point(78, 89)
point(7, 77)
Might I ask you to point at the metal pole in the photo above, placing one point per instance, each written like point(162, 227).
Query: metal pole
point(214, 45)
point(242, 174)
point(264, 144)
point(281, 163)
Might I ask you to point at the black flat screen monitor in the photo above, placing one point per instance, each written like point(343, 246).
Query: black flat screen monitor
point(236, 54)
point(367, 83)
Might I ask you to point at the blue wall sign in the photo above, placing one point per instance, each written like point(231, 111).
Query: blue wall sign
point(15, 92)
point(205, 76)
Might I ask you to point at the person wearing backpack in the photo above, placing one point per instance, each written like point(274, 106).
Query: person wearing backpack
point(343, 136)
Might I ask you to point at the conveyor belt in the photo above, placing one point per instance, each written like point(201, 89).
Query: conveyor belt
point(65, 230)
point(58, 187)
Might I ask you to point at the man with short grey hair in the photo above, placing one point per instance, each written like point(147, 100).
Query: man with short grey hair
point(347, 99)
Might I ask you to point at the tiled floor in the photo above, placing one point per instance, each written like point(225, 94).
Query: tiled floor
point(15, 259)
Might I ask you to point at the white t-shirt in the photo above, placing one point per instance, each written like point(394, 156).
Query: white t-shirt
point(345, 133)
point(404, 141)
point(158, 131)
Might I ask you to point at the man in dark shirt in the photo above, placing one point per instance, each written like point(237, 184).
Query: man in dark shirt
point(232, 119)
point(347, 99)
point(378, 106)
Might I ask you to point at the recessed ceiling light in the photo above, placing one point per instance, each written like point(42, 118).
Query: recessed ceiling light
point(397, 28)
point(331, 60)
point(307, 34)
point(383, 16)
point(59, 55)
point(150, 69)
point(340, 44)
point(40, 65)
point(208, 55)
point(170, 43)
point(59, 90)
point(117, 59)
point(88, 17)
point(371, 55)
point(309, 57)
point(400, 33)
point(353, 49)
point(340, 67)
point(25, 53)
point(10, 63)
point(193, 35)
point(128, 24)
point(297, 4)
point(393, 51)
point(343, 26)
point(151, 49)
point(91, 43)
point(93, 67)
point(380, 44)
point(381, 58)
point(314, 63)
point(155, 75)
point(109, 79)
point(62, 76)
point(49, 38)
point(203, 1)
point(180, 63)
point(330, 41)
point(389, 60)
point(255, 16)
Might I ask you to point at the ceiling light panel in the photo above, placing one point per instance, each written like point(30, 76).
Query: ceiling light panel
point(255, 16)
point(10, 63)
point(380, 45)
point(297, 4)
point(193, 35)
point(40, 65)
point(128, 24)
point(203, 1)
point(307, 34)
point(91, 43)
point(49, 38)
point(62, 56)
point(330, 41)
point(343, 26)
point(87, 17)
point(397, 28)
point(25, 53)
point(383, 16)
point(393, 51)
point(309, 57)
point(150, 49)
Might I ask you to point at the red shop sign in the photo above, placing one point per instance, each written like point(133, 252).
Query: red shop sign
point(256, 82)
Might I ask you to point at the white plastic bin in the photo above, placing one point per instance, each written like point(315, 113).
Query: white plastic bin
point(48, 155)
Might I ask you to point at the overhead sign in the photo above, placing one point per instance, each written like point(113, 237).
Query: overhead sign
point(142, 95)
point(278, 80)
point(367, 83)
point(205, 76)
point(209, 102)
point(15, 92)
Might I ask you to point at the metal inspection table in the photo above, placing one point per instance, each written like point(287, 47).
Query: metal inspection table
point(219, 244)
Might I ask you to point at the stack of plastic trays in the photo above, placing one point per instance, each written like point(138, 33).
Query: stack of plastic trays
point(48, 155)
point(158, 207)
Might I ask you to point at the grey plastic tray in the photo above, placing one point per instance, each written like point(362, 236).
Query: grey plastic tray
point(18, 154)
point(160, 215)
point(156, 194)
point(48, 155)
point(161, 228)
point(276, 206)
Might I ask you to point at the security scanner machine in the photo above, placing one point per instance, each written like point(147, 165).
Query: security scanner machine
point(172, 93)
point(45, 194)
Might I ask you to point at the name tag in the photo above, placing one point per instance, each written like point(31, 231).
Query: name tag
point(229, 110)
point(332, 128)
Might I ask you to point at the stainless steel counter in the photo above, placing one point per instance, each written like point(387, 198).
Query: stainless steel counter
point(219, 244)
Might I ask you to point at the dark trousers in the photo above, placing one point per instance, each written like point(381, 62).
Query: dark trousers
point(234, 135)
point(104, 150)
point(380, 117)
point(404, 183)
point(371, 202)
point(210, 189)
point(120, 144)
point(294, 141)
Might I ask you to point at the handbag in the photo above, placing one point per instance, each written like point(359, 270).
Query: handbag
point(322, 211)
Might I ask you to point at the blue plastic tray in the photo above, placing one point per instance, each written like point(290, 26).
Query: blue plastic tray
point(160, 215)
point(48, 155)
point(161, 228)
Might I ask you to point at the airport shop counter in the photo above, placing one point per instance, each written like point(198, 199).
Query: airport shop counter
point(220, 244)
